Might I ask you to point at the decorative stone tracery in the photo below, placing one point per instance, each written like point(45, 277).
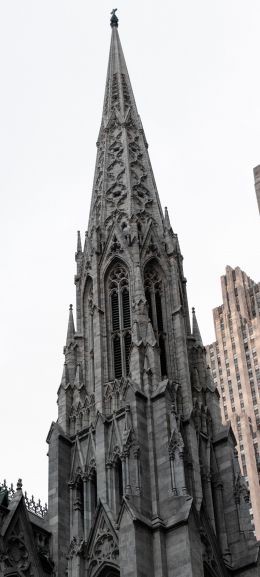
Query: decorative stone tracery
point(104, 546)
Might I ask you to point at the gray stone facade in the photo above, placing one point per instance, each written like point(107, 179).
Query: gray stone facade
point(143, 477)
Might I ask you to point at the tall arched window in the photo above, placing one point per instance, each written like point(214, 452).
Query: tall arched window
point(153, 294)
point(120, 315)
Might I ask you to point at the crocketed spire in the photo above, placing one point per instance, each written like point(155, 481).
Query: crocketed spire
point(124, 185)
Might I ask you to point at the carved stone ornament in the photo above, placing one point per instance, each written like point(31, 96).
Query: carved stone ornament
point(114, 394)
point(115, 246)
point(240, 489)
point(76, 548)
point(240, 486)
point(208, 553)
point(18, 553)
point(105, 549)
point(176, 444)
point(153, 248)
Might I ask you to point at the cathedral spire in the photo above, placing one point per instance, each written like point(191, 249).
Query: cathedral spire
point(124, 187)
point(126, 458)
point(118, 93)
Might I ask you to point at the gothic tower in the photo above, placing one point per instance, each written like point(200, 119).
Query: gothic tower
point(143, 478)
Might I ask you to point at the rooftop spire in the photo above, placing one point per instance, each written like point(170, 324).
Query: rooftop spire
point(167, 219)
point(195, 328)
point(71, 328)
point(79, 245)
point(124, 184)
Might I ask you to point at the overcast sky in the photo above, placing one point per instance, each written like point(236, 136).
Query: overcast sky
point(194, 68)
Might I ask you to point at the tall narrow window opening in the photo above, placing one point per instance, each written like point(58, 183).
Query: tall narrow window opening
point(120, 323)
point(93, 482)
point(119, 488)
point(153, 294)
point(117, 356)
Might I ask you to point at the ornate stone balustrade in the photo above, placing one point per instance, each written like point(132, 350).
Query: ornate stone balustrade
point(34, 507)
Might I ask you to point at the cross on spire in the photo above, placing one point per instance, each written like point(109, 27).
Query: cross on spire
point(114, 19)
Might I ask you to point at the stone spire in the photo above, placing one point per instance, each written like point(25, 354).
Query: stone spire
point(195, 328)
point(71, 327)
point(167, 219)
point(124, 185)
point(79, 245)
point(139, 425)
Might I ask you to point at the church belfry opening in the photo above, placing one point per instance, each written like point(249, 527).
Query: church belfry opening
point(154, 295)
point(119, 319)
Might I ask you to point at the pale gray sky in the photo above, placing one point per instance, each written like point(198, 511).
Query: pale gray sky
point(194, 68)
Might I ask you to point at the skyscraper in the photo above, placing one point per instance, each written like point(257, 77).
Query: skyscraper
point(257, 184)
point(235, 362)
point(143, 477)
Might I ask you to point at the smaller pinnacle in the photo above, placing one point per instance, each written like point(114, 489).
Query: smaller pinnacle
point(114, 19)
point(19, 485)
point(71, 328)
point(195, 328)
point(79, 246)
point(166, 219)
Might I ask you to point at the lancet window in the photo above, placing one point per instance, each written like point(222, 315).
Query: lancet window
point(119, 489)
point(154, 296)
point(120, 319)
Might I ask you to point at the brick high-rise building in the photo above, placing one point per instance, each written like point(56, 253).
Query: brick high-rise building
point(143, 476)
point(234, 359)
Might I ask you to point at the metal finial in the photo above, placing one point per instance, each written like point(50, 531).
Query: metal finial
point(114, 19)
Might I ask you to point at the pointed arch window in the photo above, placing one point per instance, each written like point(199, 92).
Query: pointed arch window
point(154, 296)
point(120, 319)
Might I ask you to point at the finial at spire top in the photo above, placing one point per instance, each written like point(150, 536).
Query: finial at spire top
point(114, 19)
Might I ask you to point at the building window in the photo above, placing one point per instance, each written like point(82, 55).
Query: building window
point(120, 319)
point(154, 297)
